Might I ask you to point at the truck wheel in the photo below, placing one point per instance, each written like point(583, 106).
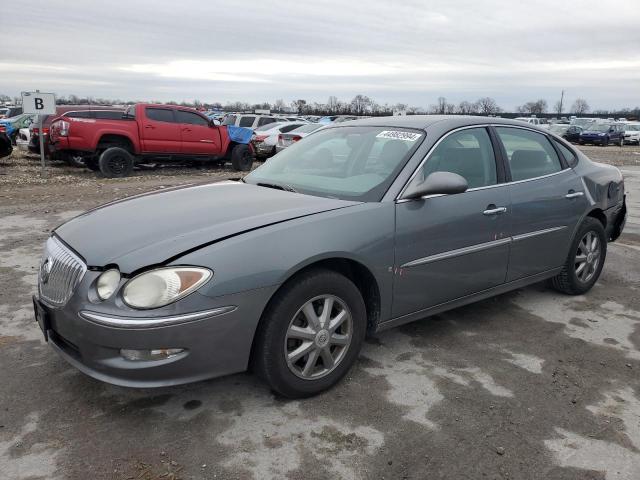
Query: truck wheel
point(241, 158)
point(115, 162)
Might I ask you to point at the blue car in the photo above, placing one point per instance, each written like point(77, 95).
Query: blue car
point(14, 124)
point(603, 134)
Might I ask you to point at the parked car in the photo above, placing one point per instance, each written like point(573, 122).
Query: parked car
point(22, 140)
point(13, 124)
point(632, 133)
point(603, 134)
point(149, 132)
point(559, 128)
point(34, 142)
point(538, 122)
point(10, 111)
point(297, 134)
point(5, 145)
point(583, 121)
point(573, 133)
point(369, 225)
point(266, 137)
point(250, 120)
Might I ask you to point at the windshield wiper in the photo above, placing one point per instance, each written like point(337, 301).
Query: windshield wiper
point(284, 186)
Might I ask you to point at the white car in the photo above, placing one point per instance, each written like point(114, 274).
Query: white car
point(23, 138)
point(538, 122)
point(265, 138)
point(286, 139)
point(250, 120)
point(632, 133)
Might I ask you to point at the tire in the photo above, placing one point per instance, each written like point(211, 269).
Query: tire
point(572, 280)
point(275, 340)
point(605, 142)
point(621, 142)
point(115, 162)
point(241, 158)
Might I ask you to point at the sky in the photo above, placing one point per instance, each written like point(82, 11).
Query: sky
point(392, 51)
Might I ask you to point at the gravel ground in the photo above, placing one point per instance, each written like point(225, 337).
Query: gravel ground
point(527, 385)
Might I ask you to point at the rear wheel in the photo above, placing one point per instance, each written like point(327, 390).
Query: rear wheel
point(621, 142)
point(585, 261)
point(116, 162)
point(241, 158)
point(311, 334)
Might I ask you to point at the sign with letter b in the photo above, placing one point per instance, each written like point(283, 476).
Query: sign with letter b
point(40, 103)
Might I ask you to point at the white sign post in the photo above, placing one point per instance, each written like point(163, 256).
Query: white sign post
point(39, 104)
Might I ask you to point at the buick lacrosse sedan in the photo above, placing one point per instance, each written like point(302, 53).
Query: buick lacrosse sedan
point(360, 227)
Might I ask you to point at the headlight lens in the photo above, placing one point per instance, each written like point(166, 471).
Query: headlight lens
point(163, 286)
point(107, 283)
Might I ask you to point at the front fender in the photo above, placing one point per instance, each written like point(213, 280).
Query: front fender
point(270, 255)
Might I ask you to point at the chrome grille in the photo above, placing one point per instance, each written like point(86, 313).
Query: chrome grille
point(60, 272)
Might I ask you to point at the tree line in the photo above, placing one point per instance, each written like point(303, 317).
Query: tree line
point(364, 105)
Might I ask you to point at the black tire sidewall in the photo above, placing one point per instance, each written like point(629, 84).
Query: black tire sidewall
point(594, 225)
point(270, 352)
point(241, 158)
point(103, 162)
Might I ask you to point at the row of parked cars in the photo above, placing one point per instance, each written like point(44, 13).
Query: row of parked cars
point(592, 130)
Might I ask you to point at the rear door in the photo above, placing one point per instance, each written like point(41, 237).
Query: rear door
point(198, 137)
point(450, 246)
point(547, 200)
point(159, 131)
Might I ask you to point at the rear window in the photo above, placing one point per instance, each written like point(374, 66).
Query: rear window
point(246, 121)
point(160, 114)
point(288, 128)
point(265, 121)
point(312, 127)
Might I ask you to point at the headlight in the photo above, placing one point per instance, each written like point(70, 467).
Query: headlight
point(163, 286)
point(107, 283)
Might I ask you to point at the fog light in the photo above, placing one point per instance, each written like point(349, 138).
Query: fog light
point(147, 355)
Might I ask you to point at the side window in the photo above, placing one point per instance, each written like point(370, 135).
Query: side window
point(108, 114)
point(229, 120)
point(469, 154)
point(79, 114)
point(191, 118)
point(160, 114)
point(530, 153)
point(568, 154)
point(246, 121)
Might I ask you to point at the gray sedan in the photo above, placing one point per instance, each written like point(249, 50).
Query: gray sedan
point(363, 226)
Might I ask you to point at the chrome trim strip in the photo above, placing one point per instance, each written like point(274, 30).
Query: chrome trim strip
point(479, 247)
point(458, 252)
point(399, 198)
point(152, 322)
point(523, 236)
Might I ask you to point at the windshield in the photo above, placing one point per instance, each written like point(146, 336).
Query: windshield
point(350, 163)
point(599, 127)
point(632, 128)
point(269, 126)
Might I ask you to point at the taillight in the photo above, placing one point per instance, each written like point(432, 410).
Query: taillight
point(35, 131)
point(45, 131)
point(295, 138)
point(279, 138)
point(64, 128)
point(260, 138)
point(3, 129)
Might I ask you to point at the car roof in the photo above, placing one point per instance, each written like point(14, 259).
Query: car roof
point(423, 122)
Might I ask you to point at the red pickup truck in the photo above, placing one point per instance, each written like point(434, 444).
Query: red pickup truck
point(147, 133)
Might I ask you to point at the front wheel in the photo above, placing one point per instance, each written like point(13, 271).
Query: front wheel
point(585, 260)
point(311, 334)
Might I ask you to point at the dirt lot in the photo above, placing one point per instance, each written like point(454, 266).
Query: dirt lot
point(528, 385)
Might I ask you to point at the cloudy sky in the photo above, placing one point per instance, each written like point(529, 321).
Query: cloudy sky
point(257, 50)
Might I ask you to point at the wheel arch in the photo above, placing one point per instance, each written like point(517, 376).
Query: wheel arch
point(107, 140)
point(362, 277)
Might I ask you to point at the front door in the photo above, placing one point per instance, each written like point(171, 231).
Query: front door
point(159, 131)
point(547, 201)
point(450, 246)
point(198, 137)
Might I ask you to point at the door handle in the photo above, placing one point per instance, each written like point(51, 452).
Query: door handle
point(493, 210)
point(149, 126)
point(573, 194)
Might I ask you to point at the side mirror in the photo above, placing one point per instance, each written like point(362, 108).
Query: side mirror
point(214, 123)
point(437, 183)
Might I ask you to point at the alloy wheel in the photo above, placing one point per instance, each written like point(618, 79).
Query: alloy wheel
point(587, 257)
point(318, 337)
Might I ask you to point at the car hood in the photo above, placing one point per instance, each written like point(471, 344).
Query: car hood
point(151, 229)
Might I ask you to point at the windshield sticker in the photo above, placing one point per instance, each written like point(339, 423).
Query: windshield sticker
point(399, 135)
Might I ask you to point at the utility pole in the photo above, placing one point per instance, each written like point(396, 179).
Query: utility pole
point(561, 102)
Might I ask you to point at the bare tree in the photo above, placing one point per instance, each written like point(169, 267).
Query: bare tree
point(467, 108)
point(332, 104)
point(299, 106)
point(488, 106)
point(580, 106)
point(440, 108)
point(559, 106)
point(360, 104)
point(279, 105)
point(539, 106)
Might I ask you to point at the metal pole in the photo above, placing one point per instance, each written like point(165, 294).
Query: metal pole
point(43, 173)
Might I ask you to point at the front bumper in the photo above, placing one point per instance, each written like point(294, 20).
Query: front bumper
point(216, 335)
